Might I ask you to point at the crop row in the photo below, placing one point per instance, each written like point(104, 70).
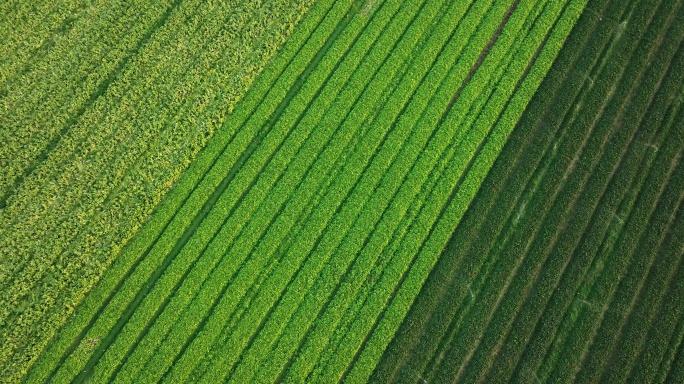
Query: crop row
point(363, 109)
point(275, 313)
point(128, 198)
point(454, 259)
point(385, 75)
point(396, 361)
point(229, 214)
point(566, 152)
point(364, 220)
point(535, 246)
point(655, 356)
point(624, 207)
point(626, 241)
point(348, 251)
point(657, 109)
point(280, 275)
point(287, 214)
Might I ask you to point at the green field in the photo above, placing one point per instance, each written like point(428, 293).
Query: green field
point(351, 190)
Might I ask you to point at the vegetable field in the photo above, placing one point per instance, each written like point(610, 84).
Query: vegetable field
point(341, 190)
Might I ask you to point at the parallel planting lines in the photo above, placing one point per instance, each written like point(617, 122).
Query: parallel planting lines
point(567, 260)
point(103, 177)
point(294, 244)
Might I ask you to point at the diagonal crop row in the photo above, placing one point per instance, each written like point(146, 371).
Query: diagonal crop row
point(413, 279)
point(558, 248)
point(391, 180)
point(271, 281)
point(592, 273)
point(406, 220)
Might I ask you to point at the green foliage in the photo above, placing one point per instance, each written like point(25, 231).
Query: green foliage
point(297, 239)
point(66, 221)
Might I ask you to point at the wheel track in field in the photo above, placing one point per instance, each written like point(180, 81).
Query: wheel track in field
point(113, 192)
point(47, 40)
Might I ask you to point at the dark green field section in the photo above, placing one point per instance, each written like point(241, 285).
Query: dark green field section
point(294, 244)
point(569, 264)
point(102, 106)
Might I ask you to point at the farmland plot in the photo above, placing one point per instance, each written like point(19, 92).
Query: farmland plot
point(295, 242)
